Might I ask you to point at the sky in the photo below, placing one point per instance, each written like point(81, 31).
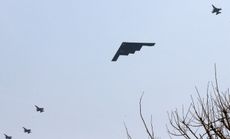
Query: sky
point(57, 54)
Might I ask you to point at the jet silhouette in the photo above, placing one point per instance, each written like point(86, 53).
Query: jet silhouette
point(129, 47)
point(8, 137)
point(216, 10)
point(39, 109)
point(28, 131)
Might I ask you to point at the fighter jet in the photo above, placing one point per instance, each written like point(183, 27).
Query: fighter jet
point(28, 131)
point(8, 137)
point(129, 47)
point(39, 109)
point(216, 10)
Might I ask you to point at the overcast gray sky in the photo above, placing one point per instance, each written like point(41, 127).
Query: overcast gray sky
point(57, 54)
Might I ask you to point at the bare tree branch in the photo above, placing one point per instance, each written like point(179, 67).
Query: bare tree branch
point(142, 118)
point(127, 132)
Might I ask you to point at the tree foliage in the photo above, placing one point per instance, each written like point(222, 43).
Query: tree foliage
point(206, 118)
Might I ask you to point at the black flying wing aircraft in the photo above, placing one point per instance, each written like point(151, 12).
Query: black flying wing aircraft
point(8, 137)
point(28, 131)
point(216, 10)
point(127, 48)
point(39, 109)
